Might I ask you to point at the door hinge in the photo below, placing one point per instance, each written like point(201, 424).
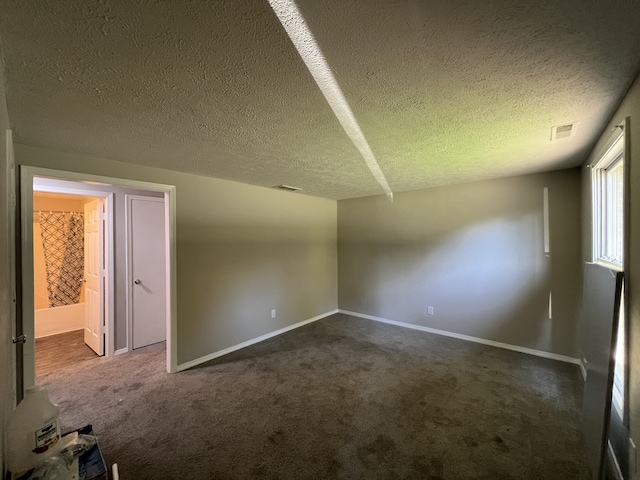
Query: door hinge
point(12, 199)
point(20, 339)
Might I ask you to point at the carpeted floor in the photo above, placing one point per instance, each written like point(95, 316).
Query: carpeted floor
point(339, 398)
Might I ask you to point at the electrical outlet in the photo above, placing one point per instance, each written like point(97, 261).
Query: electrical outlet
point(273, 313)
point(429, 310)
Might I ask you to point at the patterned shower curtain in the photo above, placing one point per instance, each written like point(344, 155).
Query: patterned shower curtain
point(63, 243)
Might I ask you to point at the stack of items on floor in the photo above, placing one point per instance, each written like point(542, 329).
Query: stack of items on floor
point(38, 451)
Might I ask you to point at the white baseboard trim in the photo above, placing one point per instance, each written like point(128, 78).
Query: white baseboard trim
point(220, 353)
point(583, 369)
point(507, 346)
point(120, 351)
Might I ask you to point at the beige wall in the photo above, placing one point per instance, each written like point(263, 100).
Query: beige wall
point(241, 251)
point(6, 348)
point(630, 107)
point(475, 253)
point(68, 203)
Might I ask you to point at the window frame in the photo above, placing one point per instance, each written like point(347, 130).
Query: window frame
point(613, 158)
point(615, 154)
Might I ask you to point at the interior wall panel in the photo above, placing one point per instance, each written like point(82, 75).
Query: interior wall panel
point(475, 253)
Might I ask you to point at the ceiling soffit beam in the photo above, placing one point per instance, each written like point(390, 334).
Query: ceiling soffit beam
point(304, 41)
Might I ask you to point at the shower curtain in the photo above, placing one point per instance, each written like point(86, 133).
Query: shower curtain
point(63, 244)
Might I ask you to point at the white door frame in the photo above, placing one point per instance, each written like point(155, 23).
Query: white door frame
point(26, 216)
point(11, 212)
point(106, 257)
point(27, 175)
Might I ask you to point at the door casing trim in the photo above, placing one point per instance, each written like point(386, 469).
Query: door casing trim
point(27, 175)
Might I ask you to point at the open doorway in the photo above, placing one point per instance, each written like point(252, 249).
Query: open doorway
point(113, 328)
point(68, 281)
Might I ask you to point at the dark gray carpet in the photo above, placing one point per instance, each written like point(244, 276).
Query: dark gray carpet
point(339, 398)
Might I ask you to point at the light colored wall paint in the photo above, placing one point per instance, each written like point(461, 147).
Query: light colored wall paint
point(630, 107)
point(6, 347)
point(70, 203)
point(475, 253)
point(241, 251)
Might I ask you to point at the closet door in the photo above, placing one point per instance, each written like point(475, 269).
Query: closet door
point(146, 258)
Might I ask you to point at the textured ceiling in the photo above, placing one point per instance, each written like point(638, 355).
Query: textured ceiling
point(444, 91)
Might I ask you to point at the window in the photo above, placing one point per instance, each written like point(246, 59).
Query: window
point(608, 241)
point(608, 207)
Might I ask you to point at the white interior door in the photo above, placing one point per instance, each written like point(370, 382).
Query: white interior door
point(93, 276)
point(147, 270)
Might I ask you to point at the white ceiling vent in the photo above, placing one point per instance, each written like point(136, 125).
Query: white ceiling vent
point(287, 188)
point(562, 131)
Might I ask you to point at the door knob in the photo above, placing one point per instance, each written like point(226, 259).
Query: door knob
point(137, 281)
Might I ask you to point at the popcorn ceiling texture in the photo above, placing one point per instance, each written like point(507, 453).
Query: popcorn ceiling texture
point(444, 91)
